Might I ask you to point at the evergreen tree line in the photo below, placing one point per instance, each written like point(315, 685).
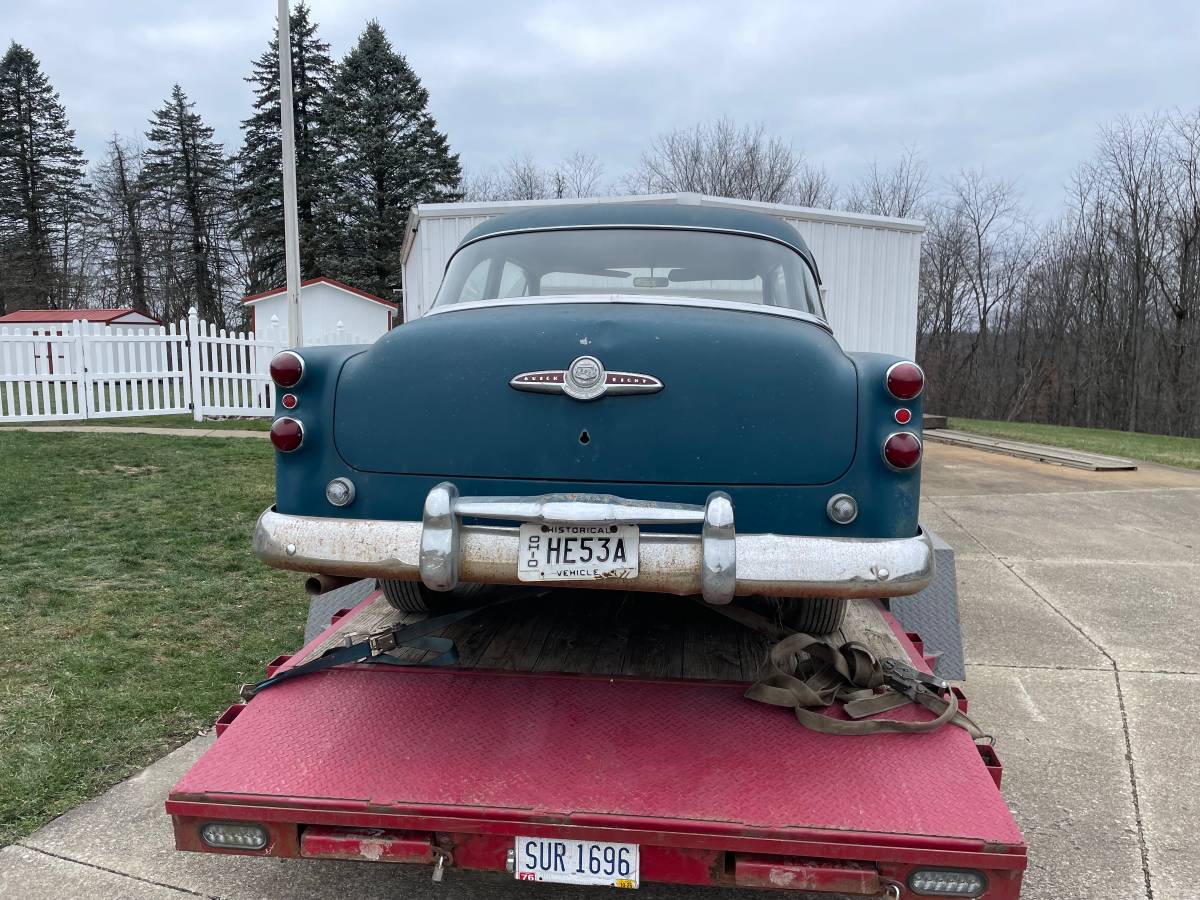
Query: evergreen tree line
point(169, 219)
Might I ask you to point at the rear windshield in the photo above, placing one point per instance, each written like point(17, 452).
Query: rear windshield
point(644, 262)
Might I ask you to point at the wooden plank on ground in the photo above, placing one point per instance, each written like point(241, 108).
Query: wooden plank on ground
point(1059, 456)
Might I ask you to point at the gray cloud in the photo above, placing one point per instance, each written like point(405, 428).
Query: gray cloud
point(1018, 88)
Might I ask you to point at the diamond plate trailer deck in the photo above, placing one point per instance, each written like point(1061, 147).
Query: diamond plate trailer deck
point(417, 765)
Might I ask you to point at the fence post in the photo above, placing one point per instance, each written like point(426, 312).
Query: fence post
point(193, 326)
point(82, 365)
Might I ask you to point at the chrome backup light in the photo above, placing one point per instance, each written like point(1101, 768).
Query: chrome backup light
point(235, 835)
point(947, 883)
point(842, 509)
point(340, 492)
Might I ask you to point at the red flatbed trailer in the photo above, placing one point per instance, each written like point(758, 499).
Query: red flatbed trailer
point(449, 767)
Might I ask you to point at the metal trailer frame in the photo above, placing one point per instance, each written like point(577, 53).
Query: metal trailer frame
point(424, 766)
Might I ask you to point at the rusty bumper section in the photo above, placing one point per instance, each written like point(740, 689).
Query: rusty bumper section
point(716, 563)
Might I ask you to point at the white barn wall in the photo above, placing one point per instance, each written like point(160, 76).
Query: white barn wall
point(869, 264)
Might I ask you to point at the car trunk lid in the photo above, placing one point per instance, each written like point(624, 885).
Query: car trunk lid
point(748, 397)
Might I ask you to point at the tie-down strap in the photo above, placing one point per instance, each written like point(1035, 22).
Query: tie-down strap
point(374, 647)
point(809, 673)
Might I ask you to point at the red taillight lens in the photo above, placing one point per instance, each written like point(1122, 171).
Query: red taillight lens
point(905, 380)
point(902, 450)
point(287, 434)
point(287, 368)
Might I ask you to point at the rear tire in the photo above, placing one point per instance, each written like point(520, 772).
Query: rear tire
point(817, 615)
point(413, 596)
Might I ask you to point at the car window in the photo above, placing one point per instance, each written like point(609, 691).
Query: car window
point(475, 281)
point(660, 262)
point(513, 281)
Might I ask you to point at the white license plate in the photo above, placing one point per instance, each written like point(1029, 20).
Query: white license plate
point(577, 552)
point(577, 862)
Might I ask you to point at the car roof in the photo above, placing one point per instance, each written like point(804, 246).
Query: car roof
point(644, 215)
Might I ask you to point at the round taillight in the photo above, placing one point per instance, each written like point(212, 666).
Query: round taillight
point(287, 434)
point(903, 416)
point(905, 380)
point(902, 450)
point(289, 401)
point(287, 368)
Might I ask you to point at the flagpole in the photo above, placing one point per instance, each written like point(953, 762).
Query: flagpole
point(291, 229)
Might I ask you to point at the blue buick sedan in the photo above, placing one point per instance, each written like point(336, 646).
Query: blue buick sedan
point(615, 396)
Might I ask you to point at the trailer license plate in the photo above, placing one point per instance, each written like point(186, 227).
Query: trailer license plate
point(576, 862)
point(577, 552)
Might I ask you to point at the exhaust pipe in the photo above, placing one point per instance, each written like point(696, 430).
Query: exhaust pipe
point(316, 585)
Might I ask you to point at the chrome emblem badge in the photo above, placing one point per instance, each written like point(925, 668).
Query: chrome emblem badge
point(585, 379)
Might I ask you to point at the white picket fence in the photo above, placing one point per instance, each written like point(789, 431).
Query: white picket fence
point(92, 371)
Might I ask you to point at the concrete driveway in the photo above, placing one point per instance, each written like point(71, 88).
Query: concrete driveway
point(1081, 610)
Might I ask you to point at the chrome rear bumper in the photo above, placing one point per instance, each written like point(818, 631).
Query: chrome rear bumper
point(716, 563)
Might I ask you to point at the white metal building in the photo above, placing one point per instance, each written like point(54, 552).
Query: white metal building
point(869, 264)
point(328, 308)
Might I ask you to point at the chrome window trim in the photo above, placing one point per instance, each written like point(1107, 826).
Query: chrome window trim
point(637, 300)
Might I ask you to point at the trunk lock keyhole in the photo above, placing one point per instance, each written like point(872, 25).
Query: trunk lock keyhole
point(584, 437)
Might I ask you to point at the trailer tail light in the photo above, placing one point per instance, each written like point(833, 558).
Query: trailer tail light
point(947, 883)
point(287, 434)
point(234, 835)
point(903, 415)
point(905, 380)
point(287, 368)
point(902, 450)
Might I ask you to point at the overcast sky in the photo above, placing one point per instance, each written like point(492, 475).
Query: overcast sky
point(1018, 88)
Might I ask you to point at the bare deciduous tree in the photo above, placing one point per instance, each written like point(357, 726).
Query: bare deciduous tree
point(522, 177)
point(723, 159)
point(897, 191)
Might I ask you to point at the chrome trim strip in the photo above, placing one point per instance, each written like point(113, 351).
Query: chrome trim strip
point(580, 509)
point(771, 564)
point(617, 226)
point(636, 299)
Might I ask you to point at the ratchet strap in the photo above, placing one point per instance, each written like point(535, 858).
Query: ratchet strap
point(374, 646)
point(808, 674)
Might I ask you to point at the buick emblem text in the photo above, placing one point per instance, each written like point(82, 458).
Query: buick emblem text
point(585, 379)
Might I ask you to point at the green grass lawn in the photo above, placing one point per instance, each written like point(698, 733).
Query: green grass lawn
point(182, 421)
point(1157, 448)
point(130, 605)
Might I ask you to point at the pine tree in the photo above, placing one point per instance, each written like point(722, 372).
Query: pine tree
point(42, 187)
point(260, 182)
point(187, 178)
point(389, 156)
point(121, 200)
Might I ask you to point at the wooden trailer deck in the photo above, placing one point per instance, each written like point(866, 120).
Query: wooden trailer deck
point(601, 633)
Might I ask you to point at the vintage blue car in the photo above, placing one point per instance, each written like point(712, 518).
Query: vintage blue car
point(621, 396)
